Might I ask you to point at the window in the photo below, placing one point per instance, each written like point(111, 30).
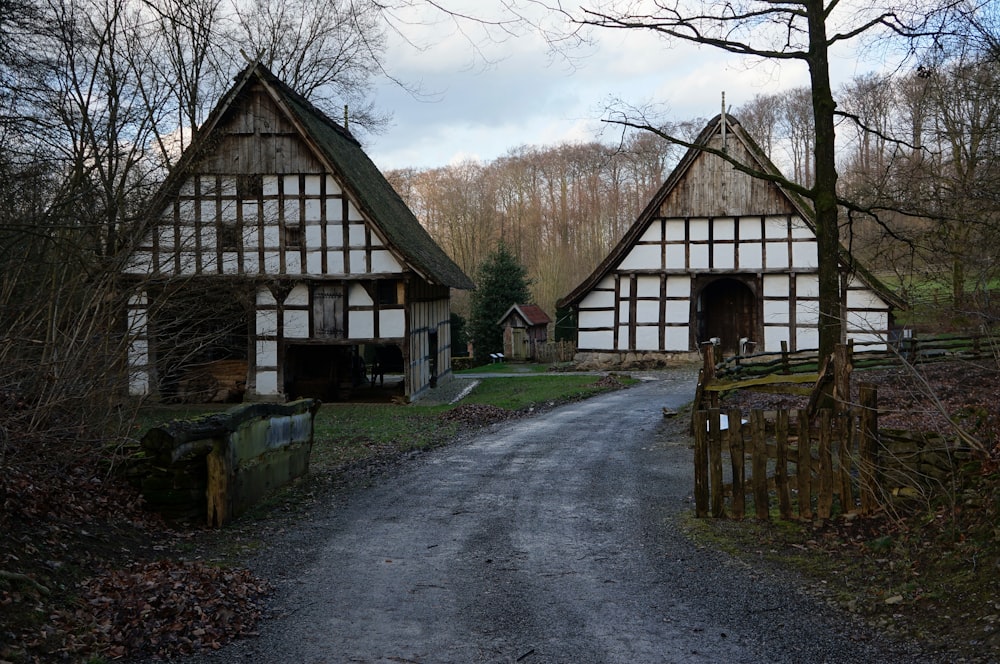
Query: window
point(389, 292)
point(229, 236)
point(293, 236)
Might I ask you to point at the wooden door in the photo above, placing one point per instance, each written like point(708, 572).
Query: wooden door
point(728, 308)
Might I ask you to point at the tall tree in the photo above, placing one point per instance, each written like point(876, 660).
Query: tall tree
point(501, 281)
point(803, 31)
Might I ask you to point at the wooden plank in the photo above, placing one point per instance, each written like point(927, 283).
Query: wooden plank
point(781, 465)
point(803, 469)
point(824, 504)
point(715, 464)
point(759, 466)
point(842, 368)
point(736, 453)
point(845, 431)
point(774, 379)
point(868, 447)
point(701, 464)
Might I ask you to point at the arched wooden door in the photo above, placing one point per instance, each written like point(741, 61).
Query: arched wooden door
point(728, 310)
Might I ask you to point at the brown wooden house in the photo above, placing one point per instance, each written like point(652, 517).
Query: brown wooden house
point(277, 252)
point(525, 326)
point(718, 254)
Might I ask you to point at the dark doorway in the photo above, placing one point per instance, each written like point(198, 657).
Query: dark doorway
point(727, 311)
point(328, 373)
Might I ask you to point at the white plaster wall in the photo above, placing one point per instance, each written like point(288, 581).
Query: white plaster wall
point(775, 227)
point(352, 212)
point(331, 186)
point(622, 338)
point(724, 256)
point(265, 297)
point(652, 233)
point(806, 285)
point(594, 319)
point(724, 229)
point(775, 311)
point(357, 296)
point(773, 336)
point(641, 257)
point(806, 338)
point(334, 262)
point(678, 286)
point(775, 285)
point(357, 258)
point(298, 296)
point(867, 321)
point(751, 255)
point(647, 338)
point(676, 338)
point(749, 230)
point(267, 383)
point(806, 313)
point(361, 324)
point(296, 324)
point(675, 256)
point(647, 312)
point(266, 352)
point(334, 209)
point(864, 299)
point(677, 312)
point(392, 323)
point(698, 255)
point(675, 230)
point(600, 340)
point(267, 323)
point(800, 229)
point(698, 228)
point(777, 255)
point(647, 286)
point(384, 261)
point(805, 255)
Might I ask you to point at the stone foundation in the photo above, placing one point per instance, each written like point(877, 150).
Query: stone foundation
point(632, 360)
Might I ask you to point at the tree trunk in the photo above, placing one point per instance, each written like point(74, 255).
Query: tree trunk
point(825, 187)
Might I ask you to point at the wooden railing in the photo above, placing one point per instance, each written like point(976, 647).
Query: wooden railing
point(869, 355)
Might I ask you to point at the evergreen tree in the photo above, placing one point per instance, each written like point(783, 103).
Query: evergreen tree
point(501, 281)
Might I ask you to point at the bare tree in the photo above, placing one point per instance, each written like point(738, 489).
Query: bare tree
point(801, 31)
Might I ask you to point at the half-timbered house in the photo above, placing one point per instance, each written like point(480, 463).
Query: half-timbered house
point(276, 251)
point(718, 254)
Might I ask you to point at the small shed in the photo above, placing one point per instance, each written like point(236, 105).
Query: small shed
point(524, 327)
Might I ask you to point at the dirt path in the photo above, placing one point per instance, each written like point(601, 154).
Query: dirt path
point(550, 539)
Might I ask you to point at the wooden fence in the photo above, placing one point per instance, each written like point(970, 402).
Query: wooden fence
point(555, 351)
point(809, 467)
point(869, 355)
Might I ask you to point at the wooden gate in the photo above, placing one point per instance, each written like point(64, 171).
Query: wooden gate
point(788, 460)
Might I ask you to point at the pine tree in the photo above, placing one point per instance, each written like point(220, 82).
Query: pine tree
point(501, 281)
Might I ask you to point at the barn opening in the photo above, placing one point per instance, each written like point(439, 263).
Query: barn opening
point(200, 342)
point(343, 372)
point(726, 309)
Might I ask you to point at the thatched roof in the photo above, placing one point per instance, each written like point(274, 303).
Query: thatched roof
point(336, 147)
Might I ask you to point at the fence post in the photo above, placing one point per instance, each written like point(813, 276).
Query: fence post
point(845, 429)
point(842, 367)
point(736, 453)
point(803, 470)
point(715, 464)
point(700, 464)
point(824, 503)
point(781, 464)
point(785, 368)
point(868, 447)
point(759, 466)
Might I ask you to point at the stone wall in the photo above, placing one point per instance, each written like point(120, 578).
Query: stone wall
point(220, 465)
point(631, 360)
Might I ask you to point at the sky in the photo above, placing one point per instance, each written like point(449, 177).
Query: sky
point(479, 105)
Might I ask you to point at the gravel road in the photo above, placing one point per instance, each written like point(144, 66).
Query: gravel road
point(549, 539)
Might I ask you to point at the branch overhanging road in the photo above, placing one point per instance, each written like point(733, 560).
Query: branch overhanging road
point(550, 539)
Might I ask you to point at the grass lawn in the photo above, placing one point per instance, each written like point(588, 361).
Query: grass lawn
point(351, 433)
